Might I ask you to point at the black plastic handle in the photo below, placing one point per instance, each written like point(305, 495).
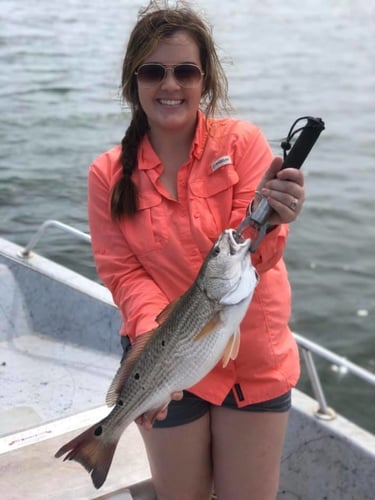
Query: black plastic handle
point(304, 143)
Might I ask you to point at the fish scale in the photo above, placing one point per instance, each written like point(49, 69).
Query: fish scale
point(200, 328)
point(180, 354)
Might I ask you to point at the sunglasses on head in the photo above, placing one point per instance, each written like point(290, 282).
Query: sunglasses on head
point(151, 74)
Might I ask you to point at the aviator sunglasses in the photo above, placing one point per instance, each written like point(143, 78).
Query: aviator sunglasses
point(187, 75)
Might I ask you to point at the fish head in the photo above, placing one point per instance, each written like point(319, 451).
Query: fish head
point(227, 274)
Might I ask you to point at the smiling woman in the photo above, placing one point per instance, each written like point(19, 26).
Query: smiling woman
point(157, 202)
point(59, 110)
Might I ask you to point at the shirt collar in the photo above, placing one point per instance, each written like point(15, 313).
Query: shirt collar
point(201, 135)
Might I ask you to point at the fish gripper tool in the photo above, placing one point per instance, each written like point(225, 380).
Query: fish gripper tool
point(308, 135)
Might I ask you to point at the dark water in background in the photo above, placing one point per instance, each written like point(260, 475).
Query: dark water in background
point(59, 108)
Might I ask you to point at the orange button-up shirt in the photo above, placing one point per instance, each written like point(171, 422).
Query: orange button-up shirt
point(150, 259)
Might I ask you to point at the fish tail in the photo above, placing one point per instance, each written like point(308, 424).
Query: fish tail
point(93, 451)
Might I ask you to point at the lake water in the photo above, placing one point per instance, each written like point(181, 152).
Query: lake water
point(59, 102)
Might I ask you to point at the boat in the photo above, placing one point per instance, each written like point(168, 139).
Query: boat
point(59, 349)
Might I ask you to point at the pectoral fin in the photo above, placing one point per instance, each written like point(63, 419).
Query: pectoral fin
point(209, 327)
point(232, 348)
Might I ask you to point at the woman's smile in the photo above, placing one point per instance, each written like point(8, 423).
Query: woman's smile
point(170, 102)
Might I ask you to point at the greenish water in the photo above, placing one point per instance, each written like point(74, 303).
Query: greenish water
point(60, 70)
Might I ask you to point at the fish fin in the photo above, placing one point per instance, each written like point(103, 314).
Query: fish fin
point(93, 452)
point(126, 367)
point(209, 327)
point(232, 348)
point(163, 315)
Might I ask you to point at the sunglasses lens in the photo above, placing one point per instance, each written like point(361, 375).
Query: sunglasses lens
point(187, 75)
point(150, 74)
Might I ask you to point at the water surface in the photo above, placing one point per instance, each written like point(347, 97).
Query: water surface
point(59, 79)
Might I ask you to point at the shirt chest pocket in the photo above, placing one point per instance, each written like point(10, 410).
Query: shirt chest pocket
point(212, 200)
point(147, 230)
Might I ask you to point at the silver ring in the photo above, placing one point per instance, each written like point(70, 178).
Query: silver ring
point(293, 204)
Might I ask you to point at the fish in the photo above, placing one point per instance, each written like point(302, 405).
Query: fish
point(193, 334)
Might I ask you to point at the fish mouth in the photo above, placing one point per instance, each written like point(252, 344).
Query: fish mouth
point(236, 242)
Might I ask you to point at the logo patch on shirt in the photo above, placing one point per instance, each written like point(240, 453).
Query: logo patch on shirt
point(220, 162)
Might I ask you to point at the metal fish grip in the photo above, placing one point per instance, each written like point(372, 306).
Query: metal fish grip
point(308, 135)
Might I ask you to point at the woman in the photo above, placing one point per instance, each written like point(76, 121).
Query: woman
point(156, 205)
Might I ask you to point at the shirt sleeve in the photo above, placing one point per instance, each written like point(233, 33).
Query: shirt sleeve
point(134, 292)
point(253, 157)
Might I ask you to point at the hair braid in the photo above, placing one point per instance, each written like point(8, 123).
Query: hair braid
point(124, 199)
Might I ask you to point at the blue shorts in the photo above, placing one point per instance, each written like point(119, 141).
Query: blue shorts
point(192, 407)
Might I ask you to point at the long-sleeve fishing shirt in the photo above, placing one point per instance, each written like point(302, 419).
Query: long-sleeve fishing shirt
point(153, 257)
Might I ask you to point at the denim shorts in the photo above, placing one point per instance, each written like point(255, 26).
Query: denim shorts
point(192, 407)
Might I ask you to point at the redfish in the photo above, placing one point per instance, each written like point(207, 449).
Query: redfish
point(194, 333)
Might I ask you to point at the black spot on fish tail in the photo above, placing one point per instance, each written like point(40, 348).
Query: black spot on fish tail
point(92, 451)
point(98, 431)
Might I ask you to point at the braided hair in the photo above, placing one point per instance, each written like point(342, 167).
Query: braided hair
point(124, 199)
point(156, 22)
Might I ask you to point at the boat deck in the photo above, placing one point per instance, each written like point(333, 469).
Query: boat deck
point(43, 379)
point(59, 345)
point(32, 472)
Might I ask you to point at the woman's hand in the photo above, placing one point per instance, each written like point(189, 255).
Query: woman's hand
point(147, 419)
point(284, 191)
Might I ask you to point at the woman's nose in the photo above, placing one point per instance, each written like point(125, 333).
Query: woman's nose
point(169, 80)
